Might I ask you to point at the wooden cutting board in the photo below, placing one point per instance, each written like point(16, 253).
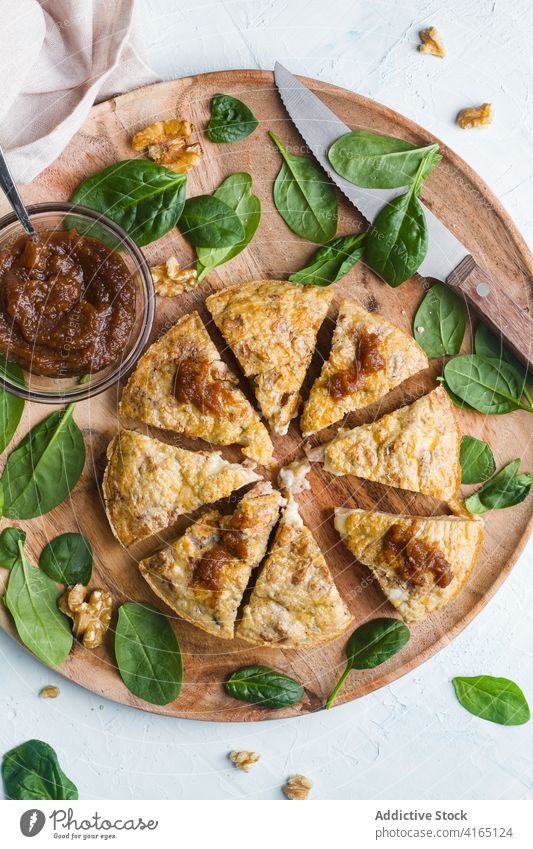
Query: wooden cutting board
point(467, 206)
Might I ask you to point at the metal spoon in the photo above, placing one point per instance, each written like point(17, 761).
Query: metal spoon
point(11, 192)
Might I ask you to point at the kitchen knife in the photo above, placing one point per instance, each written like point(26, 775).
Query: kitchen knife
point(447, 258)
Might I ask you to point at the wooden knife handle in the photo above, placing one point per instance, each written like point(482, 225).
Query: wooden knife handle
point(495, 307)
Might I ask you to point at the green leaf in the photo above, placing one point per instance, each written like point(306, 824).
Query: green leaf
point(496, 699)
point(148, 654)
point(304, 198)
point(11, 406)
point(331, 262)
point(208, 222)
point(32, 771)
point(263, 686)
point(236, 192)
point(9, 549)
point(68, 559)
point(440, 322)
point(143, 198)
point(45, 467)
point(477, 460)
point(231, 120)
point(371, 645)
point(487, 385)
point(397, 241)
point(505, 489)
point(380, 162)
point(31, 598)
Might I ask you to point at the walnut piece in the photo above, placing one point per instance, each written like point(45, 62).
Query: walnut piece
point(431, 42)
point(297, 787)
point(91, 617)
point(49, 692)
point(475, 116)
point(170, 279)
point(166, 143)
point(244, 760)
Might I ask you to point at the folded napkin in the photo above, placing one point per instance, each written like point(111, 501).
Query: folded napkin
point(57, 58)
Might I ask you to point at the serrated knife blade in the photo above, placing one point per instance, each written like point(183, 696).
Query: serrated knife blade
point(447, 258)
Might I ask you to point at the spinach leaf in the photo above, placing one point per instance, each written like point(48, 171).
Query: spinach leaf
point(45, 467)
point(331, 262)
point(236, 192)
point(505, 489)
point(11, 406)
point(148, 654)
point(380, 162)
point(142, 197)
point(208, 222)
point(68, 559)
point(487, 344)
point(440, 322)
point(32, 771)
point(9, 549)
point(370, 645)
point(231, 120)
point(486, 384)
point(496, 699)
point(31, 598)
point(304, 198)
point(263, 686)
point(477, 460)
point(397, 241)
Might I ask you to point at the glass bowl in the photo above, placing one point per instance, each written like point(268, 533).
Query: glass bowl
point(65, 216)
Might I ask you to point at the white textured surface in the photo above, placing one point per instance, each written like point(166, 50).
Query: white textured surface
point(411, 740)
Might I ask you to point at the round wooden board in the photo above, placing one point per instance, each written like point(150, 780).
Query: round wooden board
point(467, 206)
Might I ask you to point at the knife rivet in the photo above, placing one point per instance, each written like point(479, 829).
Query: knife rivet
point(483, 290)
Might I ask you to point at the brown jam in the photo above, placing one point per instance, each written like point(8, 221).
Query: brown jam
point(368, 360)
point(415, 559)
point(192, 385)
point(67, 303)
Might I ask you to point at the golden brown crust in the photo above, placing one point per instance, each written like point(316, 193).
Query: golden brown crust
point(148, 484)
point(414, 448)
point(402, 356)
point(295, 603)
point(458, 540)
point(150, 397)
point(271, 327)
point(173, 572)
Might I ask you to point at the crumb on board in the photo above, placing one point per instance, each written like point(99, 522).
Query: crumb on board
point(475, 116)
point(244, 760)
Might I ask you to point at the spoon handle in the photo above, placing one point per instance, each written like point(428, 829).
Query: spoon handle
point(10, 190)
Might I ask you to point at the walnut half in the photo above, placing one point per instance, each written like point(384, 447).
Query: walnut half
point(297, 787)
point(244, 760)
point(165, 142)
point(90, 614)
point(170, 279)
point(431, 42)
point(475, 116)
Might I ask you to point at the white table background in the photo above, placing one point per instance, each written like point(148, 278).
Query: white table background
point(411, 740)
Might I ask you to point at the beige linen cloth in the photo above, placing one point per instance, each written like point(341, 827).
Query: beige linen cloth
point(57, 58)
